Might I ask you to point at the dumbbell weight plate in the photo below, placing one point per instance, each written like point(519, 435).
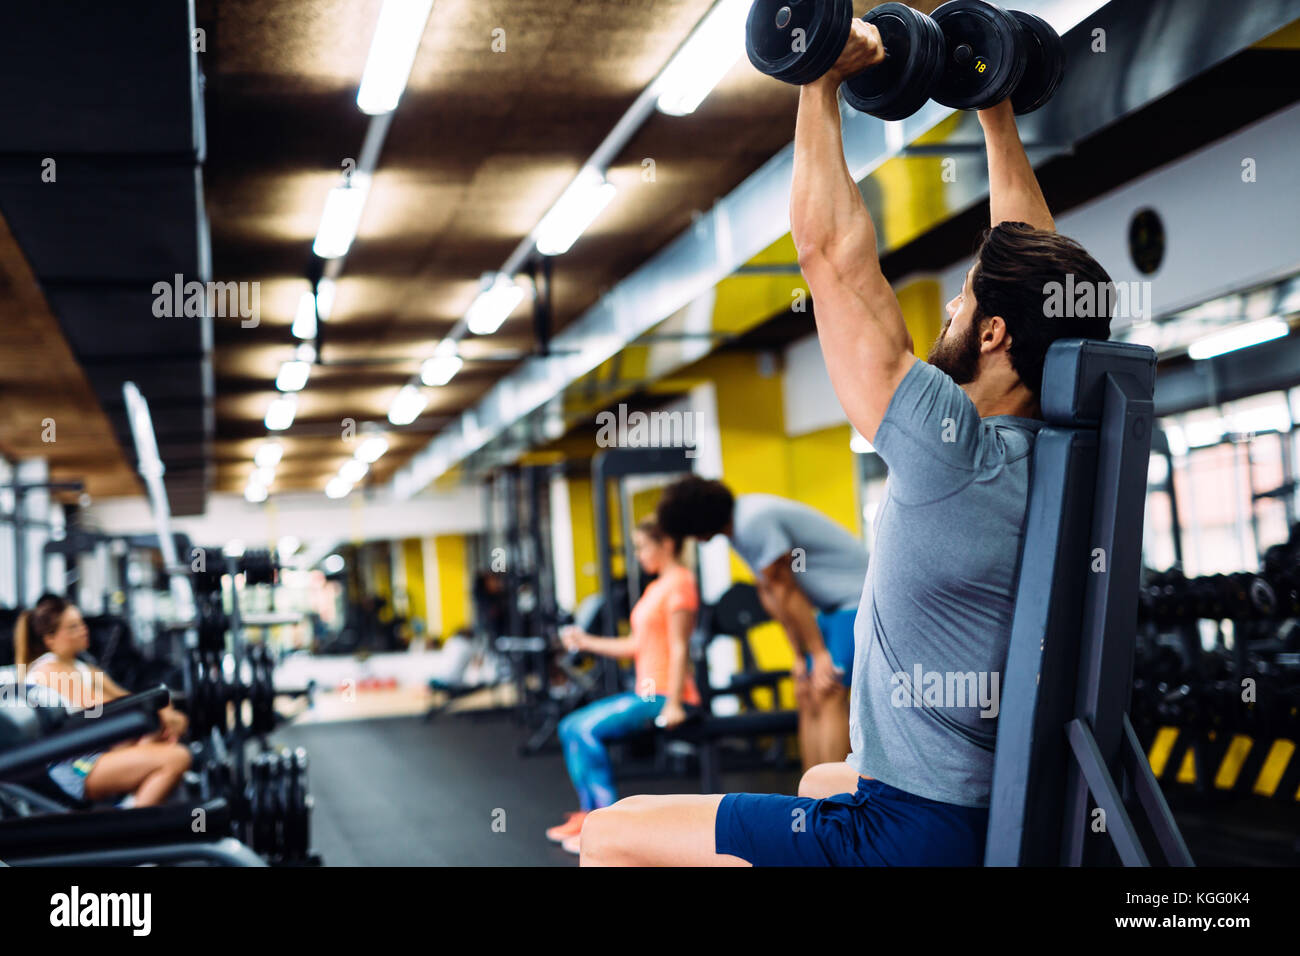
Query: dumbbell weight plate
point(301, 842)
point(263, 809)
point(283, 811)
point(194, 693)
point(268, 691)
point(259, 693)
point(985, 56)
point(1044, 63)
point(796, 41)
point(914, 50)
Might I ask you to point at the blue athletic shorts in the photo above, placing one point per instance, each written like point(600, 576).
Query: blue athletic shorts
point(837, 632)
point(879, 825)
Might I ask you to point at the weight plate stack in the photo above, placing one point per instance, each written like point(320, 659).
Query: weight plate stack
point(985, 55)
point(914, 62)
point(262, 691)
point(796, 41)
point(1044, 63)
point(195, 692)
point(301, 843)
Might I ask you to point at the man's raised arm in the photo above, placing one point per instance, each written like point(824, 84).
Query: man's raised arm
point(1014, 194)
point(859, 323)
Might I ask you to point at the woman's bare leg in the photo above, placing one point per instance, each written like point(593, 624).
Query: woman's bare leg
point(676, 830)
point(149, 770)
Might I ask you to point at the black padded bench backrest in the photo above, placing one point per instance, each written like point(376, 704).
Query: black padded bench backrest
point(1079, 570)
point(734, 614)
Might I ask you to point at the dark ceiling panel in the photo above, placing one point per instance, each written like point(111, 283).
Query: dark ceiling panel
point(91, 77)
point(111, 98)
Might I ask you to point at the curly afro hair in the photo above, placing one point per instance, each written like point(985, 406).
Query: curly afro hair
point(695, 507)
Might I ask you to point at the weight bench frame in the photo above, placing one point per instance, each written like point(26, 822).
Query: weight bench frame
point(1065, 742)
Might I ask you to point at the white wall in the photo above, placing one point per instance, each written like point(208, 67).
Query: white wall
point(1222, 234)
point(562, 562)
point(310, 518)
point(810, 402)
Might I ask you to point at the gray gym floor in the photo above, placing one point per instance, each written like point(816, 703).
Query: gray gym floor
point(400, 792)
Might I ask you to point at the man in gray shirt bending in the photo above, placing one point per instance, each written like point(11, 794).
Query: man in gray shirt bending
point(957, 434)
point(809, 573)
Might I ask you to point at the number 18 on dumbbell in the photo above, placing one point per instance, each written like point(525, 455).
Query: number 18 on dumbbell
point(968, 55)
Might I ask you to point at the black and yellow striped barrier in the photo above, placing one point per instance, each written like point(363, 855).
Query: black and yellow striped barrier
point(1235, 762)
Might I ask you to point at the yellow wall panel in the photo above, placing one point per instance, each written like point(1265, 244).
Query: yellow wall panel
point(453, 582)
point(413, 556)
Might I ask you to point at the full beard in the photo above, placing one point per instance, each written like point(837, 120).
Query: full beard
point(959, 358)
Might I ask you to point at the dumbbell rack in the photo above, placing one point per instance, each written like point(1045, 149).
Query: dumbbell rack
point(269, 801)
point(1190, 704)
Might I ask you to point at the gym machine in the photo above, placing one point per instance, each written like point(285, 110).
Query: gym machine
point(735, 614)
point(270, 806)
point(1066, 753)
point(36, 830)
point(617, 465)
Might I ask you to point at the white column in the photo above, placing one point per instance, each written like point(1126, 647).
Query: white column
point(565, 574)
point(432, 595)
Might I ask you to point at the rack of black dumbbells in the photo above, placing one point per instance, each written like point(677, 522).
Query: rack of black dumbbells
point(230, 699)
point(1247, 686)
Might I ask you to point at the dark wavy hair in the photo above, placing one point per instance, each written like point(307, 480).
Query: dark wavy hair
point(39, 622)
point(695, 507)
point(1017, 271)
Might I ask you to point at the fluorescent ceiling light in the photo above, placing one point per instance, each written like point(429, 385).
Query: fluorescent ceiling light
point(325, 298)
point(408, 404)
point(268, 455)
point(353, 470)
point(293, 376)
point(372, 449)
point(440, 369)
point(304, 322)
point(255, 493)
point(279, 414)
point(342, 216)
point(337, 488)
point(499, 296)
point(262, 476)
point(392, 52)
point(712, 49)
point(1238, 337)
point(573, 212)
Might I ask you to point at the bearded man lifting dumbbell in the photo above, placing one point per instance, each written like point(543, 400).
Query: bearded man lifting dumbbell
point(957, 433)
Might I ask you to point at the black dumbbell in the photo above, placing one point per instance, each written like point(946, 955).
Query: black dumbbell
point(993, 54)
point(968, 55)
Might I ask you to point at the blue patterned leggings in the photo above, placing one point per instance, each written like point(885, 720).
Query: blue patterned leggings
point(584, 733)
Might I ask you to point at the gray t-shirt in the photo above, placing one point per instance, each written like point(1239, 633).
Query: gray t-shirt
point(935, 619)
point(831, 563)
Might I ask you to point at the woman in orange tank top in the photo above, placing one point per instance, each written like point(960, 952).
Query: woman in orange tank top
point(662, 622)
